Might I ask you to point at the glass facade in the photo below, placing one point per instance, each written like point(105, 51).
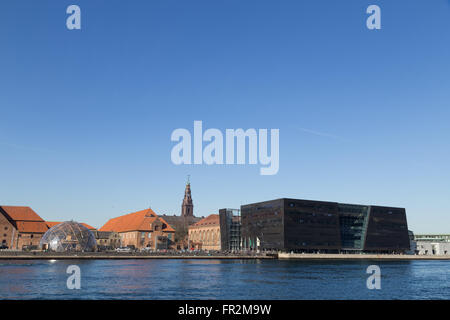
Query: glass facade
point(353, 224)
point(68, 236)
point(230, 229)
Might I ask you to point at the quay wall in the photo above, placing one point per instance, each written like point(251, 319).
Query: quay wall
point(282, 256)
point(98, 255)
point(297, 256)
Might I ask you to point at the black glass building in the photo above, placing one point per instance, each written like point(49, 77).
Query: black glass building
point(312, 226)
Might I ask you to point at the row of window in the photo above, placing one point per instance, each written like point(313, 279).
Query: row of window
point(318, 221)
point(206, 236)
point(310, 214)
point(316, 206)
point(31, 236)
point(106, 241)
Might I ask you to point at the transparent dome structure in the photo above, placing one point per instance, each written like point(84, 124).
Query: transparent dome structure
point(68, 236)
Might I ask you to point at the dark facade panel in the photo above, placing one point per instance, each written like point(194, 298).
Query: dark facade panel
point(262, 225)
point(387, 230)
point(311, 225)
point(306, 225)
point(224, 229)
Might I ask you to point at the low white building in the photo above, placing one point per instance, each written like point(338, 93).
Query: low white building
point(432, 244)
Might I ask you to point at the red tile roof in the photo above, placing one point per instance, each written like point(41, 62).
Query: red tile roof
point(21, 213)
point(24, 219)
point(211, 220)
point(54, 223)
point(51, 223)
point(31, 227)
point(136, 221)
point(88, 226)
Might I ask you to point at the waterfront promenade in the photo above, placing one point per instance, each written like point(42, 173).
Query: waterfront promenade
point(21, 255)
point(308, 256)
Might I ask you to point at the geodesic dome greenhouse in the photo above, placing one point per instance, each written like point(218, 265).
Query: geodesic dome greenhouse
point(68, 236)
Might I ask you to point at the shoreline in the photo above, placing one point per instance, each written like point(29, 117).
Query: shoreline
point(129, 257)
point(306, 256)
point(280, 256)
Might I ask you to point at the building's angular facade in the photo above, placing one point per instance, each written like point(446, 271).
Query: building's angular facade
point(230, 230)
point(387, 228)
point(311, 226)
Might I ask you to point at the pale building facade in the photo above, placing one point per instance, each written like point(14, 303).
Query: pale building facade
point(205, 234)
point(433, 248)
point(107, 239)
point(432, 244)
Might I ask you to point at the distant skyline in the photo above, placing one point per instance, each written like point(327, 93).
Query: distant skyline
point(87, 115)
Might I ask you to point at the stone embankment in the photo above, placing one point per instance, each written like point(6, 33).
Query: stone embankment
point(36, 255)
point(308, 256)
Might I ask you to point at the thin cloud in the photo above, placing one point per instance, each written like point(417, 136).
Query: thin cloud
point(323, 134)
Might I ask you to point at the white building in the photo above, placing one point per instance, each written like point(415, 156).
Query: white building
point(432, 244)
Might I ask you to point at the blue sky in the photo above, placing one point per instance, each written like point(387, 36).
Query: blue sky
point(86, 115)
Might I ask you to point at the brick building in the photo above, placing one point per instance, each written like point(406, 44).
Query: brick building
point(205, 234)
point(107, 240)
point(142, 229)
point(20, 227)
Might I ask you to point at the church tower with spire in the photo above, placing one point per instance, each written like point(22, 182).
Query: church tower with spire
point(187, 207)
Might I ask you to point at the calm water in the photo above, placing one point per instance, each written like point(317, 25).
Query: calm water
point(223, 279)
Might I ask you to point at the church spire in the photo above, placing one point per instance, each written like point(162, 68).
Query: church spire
point(187, 207)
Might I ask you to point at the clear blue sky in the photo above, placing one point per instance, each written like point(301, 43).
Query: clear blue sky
point(86, 116)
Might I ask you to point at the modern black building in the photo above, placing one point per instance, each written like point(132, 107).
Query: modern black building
point(311, 226)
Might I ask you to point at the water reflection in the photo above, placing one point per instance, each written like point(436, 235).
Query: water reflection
point(223, 279)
